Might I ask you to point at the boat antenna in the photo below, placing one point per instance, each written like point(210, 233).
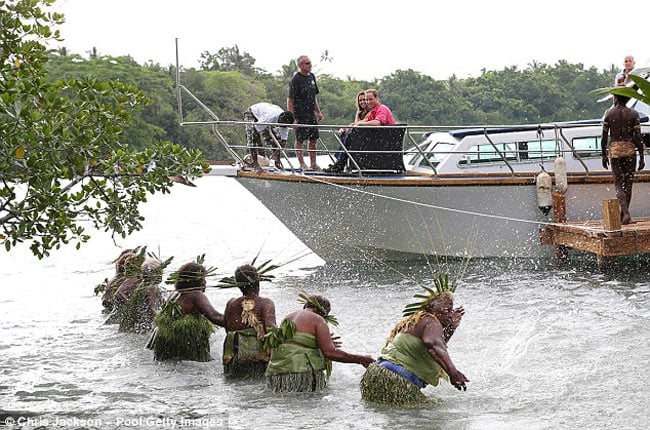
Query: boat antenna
point(178, 85)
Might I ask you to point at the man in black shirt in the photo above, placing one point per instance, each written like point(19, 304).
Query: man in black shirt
point(303, 102)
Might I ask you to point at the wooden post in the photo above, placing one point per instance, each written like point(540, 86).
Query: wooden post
point(611, 215)
point(559, 207)
point(559, 216)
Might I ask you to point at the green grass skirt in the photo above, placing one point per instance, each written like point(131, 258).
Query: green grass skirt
point(298, 382)
point(133, 316)
point(240, 369)
point(384, 387)
point(184, 338)
point(243, 355)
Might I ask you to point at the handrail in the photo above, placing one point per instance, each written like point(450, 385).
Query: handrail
point(417, 148)
point(282, 151)
point(348, 153)
point(503, 157)
point(179, 96)
point(424, 156)
point(573, 151)
point(325, 146)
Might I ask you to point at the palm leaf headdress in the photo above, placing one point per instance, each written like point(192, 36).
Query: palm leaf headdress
point(304, 298)
point(441, 283)
point(200, 259)
point(263, 270)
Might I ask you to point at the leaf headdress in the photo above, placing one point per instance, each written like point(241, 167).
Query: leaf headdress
point(304, 298)
point(263, 270)
point(441, 282)
point(176, 275)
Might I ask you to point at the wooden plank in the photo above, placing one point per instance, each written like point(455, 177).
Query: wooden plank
point(572, 239)
point(643, 241)
point(611, 214)
point(623, 245)
point(630, 239)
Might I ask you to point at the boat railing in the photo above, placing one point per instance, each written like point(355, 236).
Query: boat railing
point(425, 156)
point(180, 89)
point(330, 145)
point(501, 154)
point(415, 135)
point(573, 150)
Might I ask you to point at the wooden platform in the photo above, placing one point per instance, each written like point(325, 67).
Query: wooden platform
point(590, 236)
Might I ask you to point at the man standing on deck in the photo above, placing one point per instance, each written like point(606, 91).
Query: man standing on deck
point(621, 124)
point(623, 77)
point(303, 102)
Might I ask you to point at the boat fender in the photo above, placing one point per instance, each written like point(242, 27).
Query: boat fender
point(543, 185)
point(561, 182)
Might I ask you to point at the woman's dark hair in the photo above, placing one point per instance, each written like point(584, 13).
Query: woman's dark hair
point(190, 275)
point(361, 112)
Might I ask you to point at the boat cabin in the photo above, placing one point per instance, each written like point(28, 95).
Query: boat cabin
point(515, 149)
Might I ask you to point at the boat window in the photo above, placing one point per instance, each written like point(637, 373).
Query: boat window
point(523, 151)
point(541, 150)
point(587, 146)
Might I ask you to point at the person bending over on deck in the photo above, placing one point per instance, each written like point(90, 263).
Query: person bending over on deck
point(259, 135)
point(300, 361)
point(184, 324)
point(415, 355)
point(247, 319)
point(622, 130)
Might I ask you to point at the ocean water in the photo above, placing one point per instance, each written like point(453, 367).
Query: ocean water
point(545, 346)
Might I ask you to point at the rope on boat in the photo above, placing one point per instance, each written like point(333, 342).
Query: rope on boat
point(460, 211)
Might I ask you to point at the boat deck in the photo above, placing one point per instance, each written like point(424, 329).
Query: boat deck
point(591, 236)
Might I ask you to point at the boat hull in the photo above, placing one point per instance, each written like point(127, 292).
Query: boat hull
point(344, 221)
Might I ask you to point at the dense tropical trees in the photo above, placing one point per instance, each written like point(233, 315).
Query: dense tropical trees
point(229, 81)
point(227, 60)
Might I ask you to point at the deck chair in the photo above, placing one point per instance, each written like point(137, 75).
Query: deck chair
point(385, 145)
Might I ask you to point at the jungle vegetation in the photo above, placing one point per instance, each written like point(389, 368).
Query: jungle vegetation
point(228, 82)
